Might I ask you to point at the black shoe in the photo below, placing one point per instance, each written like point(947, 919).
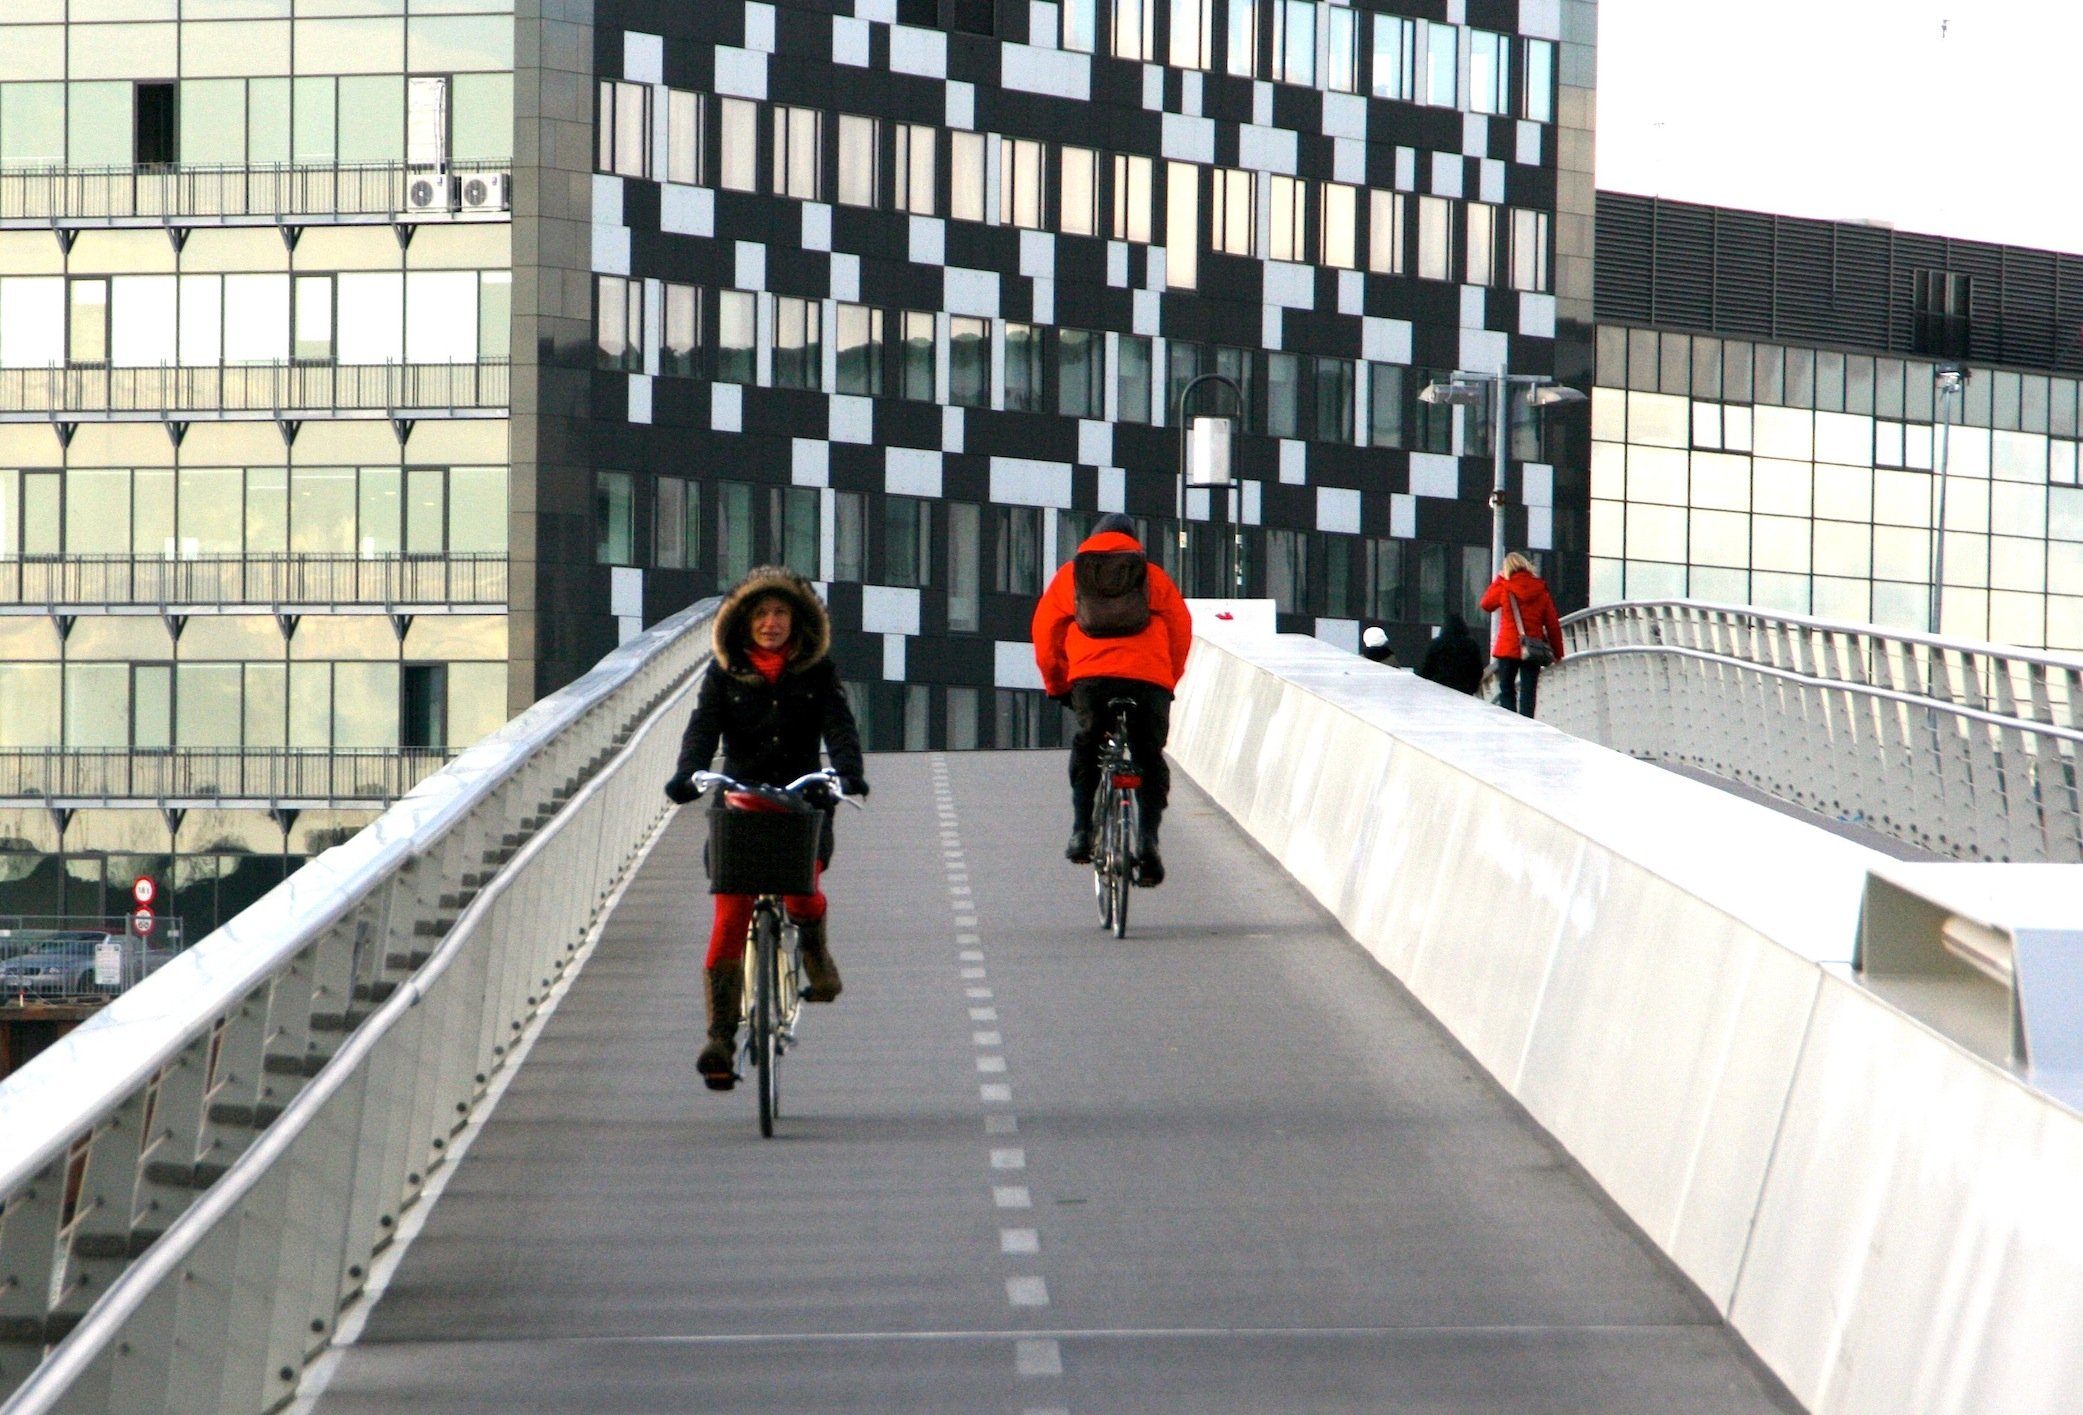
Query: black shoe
point(1079, 851)
point(1150, 866)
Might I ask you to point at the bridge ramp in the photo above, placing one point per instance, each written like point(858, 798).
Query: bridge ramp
point(1223, 1165)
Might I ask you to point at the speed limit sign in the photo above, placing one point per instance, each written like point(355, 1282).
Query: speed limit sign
point(144, 889)
point(141, 922)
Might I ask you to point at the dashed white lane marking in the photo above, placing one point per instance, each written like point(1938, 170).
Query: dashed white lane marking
point(983, 1014)
point(991, 1065)
point(987, 1039)
point(996, 1092)
point(1018, 1240)
point(1009, 1159)
point(977, 994)
point(1012, 1196)
point(974, 973)
point(1001, 1125)
point(971, 955)
point(967, 938)
point(1041, 1357)
point(1026, 1292)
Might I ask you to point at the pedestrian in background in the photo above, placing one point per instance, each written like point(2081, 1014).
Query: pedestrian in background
point(1374, 647)
point(1454, 659)
point(1529, 632)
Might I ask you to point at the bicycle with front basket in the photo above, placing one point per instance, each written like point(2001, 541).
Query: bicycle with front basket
point(764, 843)
point(1117, 824)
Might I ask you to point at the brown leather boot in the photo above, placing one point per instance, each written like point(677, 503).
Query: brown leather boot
point(820, 974)
point(725, 989)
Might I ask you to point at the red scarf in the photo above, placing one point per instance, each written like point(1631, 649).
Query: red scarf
point(770, 662)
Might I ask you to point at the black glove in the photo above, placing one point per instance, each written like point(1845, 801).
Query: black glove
point(855, 786)
point(681, 789)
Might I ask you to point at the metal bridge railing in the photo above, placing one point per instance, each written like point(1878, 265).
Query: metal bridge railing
point(216, 191)
point(283, 386)
point(279, 579)
point(193, 1183)
point(1961, 748)
point(336, 775)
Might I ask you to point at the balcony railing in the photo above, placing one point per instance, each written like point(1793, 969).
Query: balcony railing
point(213, 193)
point(270, 580)
point(256, 388)
point(346, 774)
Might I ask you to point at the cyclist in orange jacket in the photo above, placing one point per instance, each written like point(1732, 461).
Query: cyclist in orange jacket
point(1113, 625)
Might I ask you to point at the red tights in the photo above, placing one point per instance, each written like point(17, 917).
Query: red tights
point(734, 917)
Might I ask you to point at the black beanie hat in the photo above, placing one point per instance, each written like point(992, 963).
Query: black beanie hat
point(1114, 521)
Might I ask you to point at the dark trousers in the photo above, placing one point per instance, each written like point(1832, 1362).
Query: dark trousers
point(1517, 681)
point(1149, 726)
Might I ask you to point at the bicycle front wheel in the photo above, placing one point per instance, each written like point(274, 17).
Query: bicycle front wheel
point(1102, 861)
point(1128, 844)
point(766, 1060)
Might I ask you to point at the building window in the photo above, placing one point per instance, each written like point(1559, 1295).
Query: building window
point(1395, 58)
point(1023, 368)
point(679, 348)
point(1482, 244)
point(1294, 41)
point(885, 354)
point(1334, 400)
point(1283, 395)
point(1387, 212)
point(1132, 378)
point(737, 350)
point(683, 136)
point(907, 541)
point(1020, 183)
point(858, 331)
point(625, 128)
point(1081, 366)
point(1342, 49)
point(1385, 405)
point(858, 168)
point(1080, 25)
point(1537, 101)
point(1530, 250)
point(1435, 238)
point(1940, 303)
point(614, 518)
point(311, 341)
point(86, 325)
point(1193, 34)
point(1287, 235)
point(1135, 30)
point(969, 361)
point(1430, 425)
point(1489, 72)
point(964, 565)
point(798, 343)
point(1287, 570)
point(1340, 224)
point(792, 528)
point(966, 176)
point(797, 142)
point(914, 356)
point(620, 341)
point(1243, 38)
point(1017, 540)
point(1182, 215)
point(676, 523)
point(157, 125)
point(1235, 220)
point(1077, 192)
point(1442, 65)
point(849, 536)
point(913, 147)
point(738, 144)
point(1131, 198)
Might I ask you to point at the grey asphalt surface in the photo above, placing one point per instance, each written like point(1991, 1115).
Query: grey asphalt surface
point(1227, 1165)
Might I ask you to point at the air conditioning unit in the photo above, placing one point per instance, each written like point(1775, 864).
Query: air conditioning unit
point(428, 192)
point(485, 191)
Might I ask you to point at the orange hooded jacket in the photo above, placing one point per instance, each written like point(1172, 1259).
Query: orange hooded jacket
point(1065, 653)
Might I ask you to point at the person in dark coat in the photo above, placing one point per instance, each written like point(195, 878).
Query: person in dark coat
point(1518, 585)
point(1454, 659)
point(770, 696)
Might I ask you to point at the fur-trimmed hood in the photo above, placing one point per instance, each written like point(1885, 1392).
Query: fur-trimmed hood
point(732, 635)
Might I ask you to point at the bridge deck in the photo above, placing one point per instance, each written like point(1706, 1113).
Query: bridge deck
point(1233, 1169)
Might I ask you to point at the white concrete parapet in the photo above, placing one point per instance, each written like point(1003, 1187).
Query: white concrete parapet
point(1661, 973)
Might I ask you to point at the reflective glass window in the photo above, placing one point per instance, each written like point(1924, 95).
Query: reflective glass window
point(858, 333)
point(1538, 102)
point(1294, 41)
point(1243, 38)
point(1395, 57)
point(969, 361)
point(679, 348)
point(424, 504)
point(907, 541)
point(915, 355)
point(1530, 250)
point(1131, 198)
point(683, 136)
point(379, 513)
point(1023, 368)
point(1343, 72)
point(849, 536)
point(1442, 65)
point(143, 323)
point(966, 176)
point(614, 518)
point(736, 337)
point(1334, 400)
point(1135, 29)
point(441, 316)
point(322, 510)
point(372, 118)
point(859, 167)
point(482, 117)
point(913, 174)
point(32, 124)
point(256, 319)
point(1132, 378)
point(1182, 225)
point(619, 332)
point(738, 143)
point(1193, 34)
point(1077, 191)
point(1019, 183)
point(1081, 25)
point(87, 322)
point(798, 165)
point(1385, 405)
point(1283, 395)
point(1489, 72)
point(964, 558)
point(313, 312)
point(1080, 373)
point(1339, 223)
point(371, 316)
point(1234, 215)
point(798, 343)
point(100, 129)
point(1435, 238)
point(477, 509)
point(1385, 218)
point(1482, 243)
point(1288, 233)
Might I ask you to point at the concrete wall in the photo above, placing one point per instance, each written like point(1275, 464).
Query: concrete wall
point(1660, 973)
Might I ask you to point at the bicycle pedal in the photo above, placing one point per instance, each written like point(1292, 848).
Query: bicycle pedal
point(720, 1083)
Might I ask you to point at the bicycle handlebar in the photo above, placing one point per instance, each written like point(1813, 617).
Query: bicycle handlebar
point(705, 779)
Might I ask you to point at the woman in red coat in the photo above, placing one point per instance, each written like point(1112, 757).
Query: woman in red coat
point(1516, 678)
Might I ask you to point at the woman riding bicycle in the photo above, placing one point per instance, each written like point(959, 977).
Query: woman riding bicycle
point(770, 695)
point(1112, 625)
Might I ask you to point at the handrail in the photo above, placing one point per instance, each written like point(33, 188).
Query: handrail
point(1960, 747)
point(217, 190)
point(280, 385)
point(271, 578)
point(348, 974)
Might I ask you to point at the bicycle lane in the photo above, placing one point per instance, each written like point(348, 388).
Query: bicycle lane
point(619, 1238)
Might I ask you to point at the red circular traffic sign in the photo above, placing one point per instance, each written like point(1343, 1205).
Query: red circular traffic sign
point(142, 922)
point(144, 889)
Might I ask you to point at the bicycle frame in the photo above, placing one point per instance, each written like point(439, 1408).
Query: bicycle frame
point(1118, 835)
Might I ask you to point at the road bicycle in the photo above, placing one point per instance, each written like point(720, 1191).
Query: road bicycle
point(1117, 825)
point(764, 843)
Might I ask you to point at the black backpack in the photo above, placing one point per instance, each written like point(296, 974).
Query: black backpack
point(1113, 592)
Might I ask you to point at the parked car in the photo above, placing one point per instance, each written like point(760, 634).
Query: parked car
point(63, 966)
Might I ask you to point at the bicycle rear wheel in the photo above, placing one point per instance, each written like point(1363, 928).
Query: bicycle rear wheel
point(1127, 843)
point(766, 1061)
point(1102, 860)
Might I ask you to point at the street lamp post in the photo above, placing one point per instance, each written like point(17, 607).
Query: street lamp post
point(1470, 390)
point(1216, 449)
point(1951, 380)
